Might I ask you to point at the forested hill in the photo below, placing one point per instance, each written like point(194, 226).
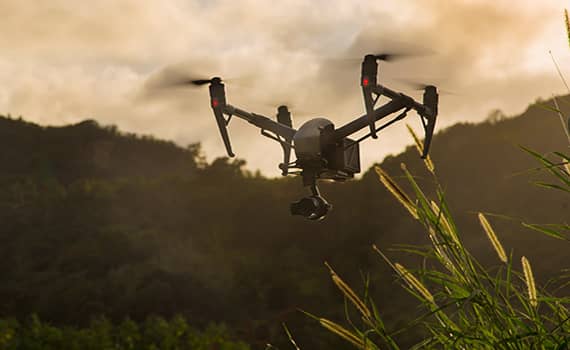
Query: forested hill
point(87, 150)
point(94, 221)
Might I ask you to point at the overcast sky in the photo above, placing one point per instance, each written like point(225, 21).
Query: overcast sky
point(62, 61)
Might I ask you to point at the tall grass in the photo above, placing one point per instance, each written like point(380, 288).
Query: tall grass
point(467, 306)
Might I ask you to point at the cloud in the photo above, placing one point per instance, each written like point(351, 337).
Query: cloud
point(63, 61)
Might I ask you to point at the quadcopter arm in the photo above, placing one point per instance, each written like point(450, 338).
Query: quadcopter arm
point(261, 122)
point(284, 133)
point(363, 121)
point(410, 102)
point(427, 111)
point(222, 127)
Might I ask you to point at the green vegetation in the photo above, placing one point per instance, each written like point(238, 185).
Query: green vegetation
point(153, 334)
point(466, 305)
point(97, 222)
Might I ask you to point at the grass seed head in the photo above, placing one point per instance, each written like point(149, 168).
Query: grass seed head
point(342, 332)
point(420, 148)
point(414, 283)
point(493, 237)
point(445, 223)
point(400, 195)
point(529, 279)
point(350, 294)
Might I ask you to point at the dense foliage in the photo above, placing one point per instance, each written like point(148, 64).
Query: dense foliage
point(96, 222)
point(152, 334)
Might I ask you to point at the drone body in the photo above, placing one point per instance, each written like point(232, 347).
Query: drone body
point(323, 151)
point(317, 148)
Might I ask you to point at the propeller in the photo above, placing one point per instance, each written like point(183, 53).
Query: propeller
point(287, 103)
point(167, 80)
point(386, 56)
point(198, 82)
point(176, 76)
point(422, 86)
point(390, 57)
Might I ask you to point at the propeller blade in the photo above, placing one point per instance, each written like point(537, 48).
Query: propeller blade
point(166, 80)
point(169, 80)
point(198, 82)
point(291, 107)
point(390, 57)
point(415, 85)
point(176, 75)
point(422, 86)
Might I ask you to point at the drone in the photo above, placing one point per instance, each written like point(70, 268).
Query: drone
point(322, 151)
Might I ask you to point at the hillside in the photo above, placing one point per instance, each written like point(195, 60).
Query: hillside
point(95, 221)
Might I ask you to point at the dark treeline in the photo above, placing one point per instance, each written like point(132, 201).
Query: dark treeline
point(96, 222)
point(153, 333)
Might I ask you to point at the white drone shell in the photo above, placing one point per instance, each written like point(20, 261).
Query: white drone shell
point(307, 139)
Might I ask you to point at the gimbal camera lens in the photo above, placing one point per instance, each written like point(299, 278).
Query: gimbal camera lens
point(312, 208)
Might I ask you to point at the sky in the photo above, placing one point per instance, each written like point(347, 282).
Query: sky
point(63, 61)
